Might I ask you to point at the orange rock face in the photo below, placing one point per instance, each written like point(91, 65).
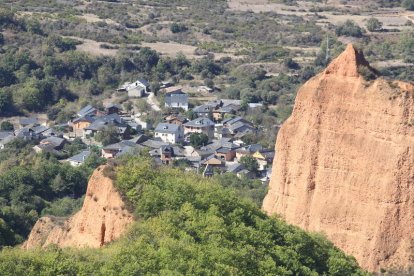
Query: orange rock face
point(345, 164)
point(102, 219)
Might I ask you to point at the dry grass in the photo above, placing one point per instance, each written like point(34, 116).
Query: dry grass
point(171, 49)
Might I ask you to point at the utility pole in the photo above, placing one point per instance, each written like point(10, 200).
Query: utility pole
point(327, 47)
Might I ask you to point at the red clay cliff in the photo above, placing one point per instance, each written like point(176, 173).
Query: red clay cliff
point(345, 163)
point(102, 219)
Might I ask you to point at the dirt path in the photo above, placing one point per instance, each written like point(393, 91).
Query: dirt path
point(153, 102)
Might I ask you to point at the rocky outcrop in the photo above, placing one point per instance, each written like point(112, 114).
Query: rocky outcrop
point(102, 219)
point(345, 163)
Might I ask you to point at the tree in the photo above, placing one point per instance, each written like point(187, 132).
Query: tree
point(178, 28)
point(408, 4)
point(374, 25)
point(6, 77)
point(107, 135)
point(6, 125)
point(198, 139)
point(6, 102)
point(250, 163)
point(349, 28)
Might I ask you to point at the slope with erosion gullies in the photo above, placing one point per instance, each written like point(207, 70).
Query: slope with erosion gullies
point(345, 163)
point(187, 225)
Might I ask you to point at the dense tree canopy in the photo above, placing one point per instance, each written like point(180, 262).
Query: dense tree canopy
point(189, 225)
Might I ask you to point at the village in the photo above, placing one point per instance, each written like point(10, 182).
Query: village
point(209, 141)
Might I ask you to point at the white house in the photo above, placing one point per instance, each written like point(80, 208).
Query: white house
point(177, 99)
point(138, 88)
point(169, 133)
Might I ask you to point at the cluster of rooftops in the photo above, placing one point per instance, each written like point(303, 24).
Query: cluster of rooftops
point(168, 142)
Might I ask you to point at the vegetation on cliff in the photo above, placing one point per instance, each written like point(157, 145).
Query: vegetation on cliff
point(32, 185)
point(189, 225)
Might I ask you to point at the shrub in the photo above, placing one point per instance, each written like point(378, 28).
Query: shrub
point(349, 28)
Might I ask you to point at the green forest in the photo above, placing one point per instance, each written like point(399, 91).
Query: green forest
point(188, 226)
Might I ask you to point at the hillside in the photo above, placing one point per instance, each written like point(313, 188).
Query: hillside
point(345, 163)
point(188, 225)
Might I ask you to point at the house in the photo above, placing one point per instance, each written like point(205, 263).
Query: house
point(51, 144)
point(27, 134)
point(56, 143)
point(219, 114)
point(204, 88)
point(248, 151)
point(169, 133)
point(79, 125)
point(172, 89)
point(143, 83)
point(165, 84)
point(124, 87)
point(165, 153)
point(121, 148)
point(177, 99)
point(108, 120)
point(246, 173)
point(176, 119)
point(5, 134)
point(25, 122)
point(203, 110)
point(154, 143)
point(87, 111)
point(264, 158)
point(6, 140)
point(78, 159)
point(200, 125)
point(136, 92)
point(235, 168)
point(112, 109)
point(235, 127)
point(213, 161)
point(225, 154)
point(140, 83)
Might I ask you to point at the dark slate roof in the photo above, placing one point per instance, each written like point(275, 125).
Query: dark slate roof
point(178, 151)
point(228, 108)
point(220, 143)
point(200, 122)
point(179, 117)
point(251, 148)
point(203, 108)
point(235, 120)
point(53, 141)
point(80, 157)
point(235, 168)
point(123, 147)
point(84, 119)
point(176, 97)
point(100, 122)
point(7, 139)
point(223, 150)
point(139, 139)
point(167, 128)
point(40, 129)
point(144, 82)
point(86, 110)
point(4, 134)
point(28, 121)
point(154, 143)
point(235, 127)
